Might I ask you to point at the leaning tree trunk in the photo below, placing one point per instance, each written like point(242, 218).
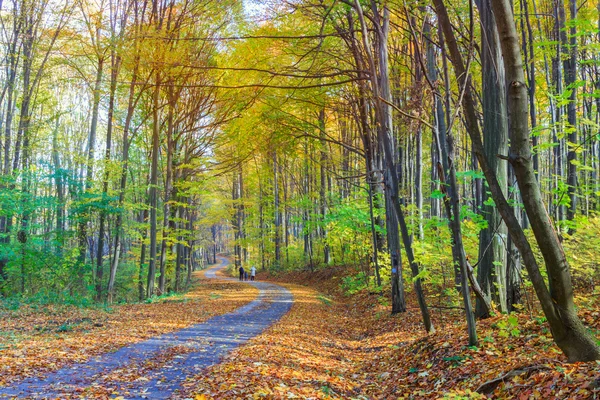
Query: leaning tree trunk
point(568, 331)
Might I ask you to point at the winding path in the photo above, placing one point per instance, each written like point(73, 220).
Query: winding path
point(204, 344)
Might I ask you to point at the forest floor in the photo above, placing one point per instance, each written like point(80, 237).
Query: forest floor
point(332, 346)
point(39, 341)
point(328, 346)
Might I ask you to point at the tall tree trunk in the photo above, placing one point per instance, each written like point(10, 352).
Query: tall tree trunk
point(115, 66)
point(123, 183)
point(417, 161)
point(384, 130)
point(60, 191)
point(167, 222)
point(261, 223)
point(570, 67)
point(23, 135)
point(514, 267)
point(13, 61)
point(419, 180)
point(83, 217)
point(447, 173)
point(179, 252)
point(241, 218)
point(491, 273)
point(398, 298)
point(142, 220)
point(558, 139)
point(276, 214)
point(154, 189)
point(375, 255)
point(190, 247)
point(323, 187)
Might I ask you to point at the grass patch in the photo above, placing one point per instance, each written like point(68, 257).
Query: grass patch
point(325, 300)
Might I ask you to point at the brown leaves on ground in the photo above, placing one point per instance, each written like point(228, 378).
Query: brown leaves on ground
point(337, 347)
point(441, 365)
point(38, 340)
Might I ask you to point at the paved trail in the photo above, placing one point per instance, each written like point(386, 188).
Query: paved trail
point(205, 344)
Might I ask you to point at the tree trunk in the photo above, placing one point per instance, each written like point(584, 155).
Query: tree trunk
point(167, 221)
point(568, 331)
point(384, 130)
point(398, 298)
point(123, 182)
point(276, 215)
point(83, 218)
point(514, 267)
point(491, 273)
point(143, 219)
point(115, 65)
point(154, 189)
point(60, 191)
point(447, 173)
point(322, 187)
point(570, 67)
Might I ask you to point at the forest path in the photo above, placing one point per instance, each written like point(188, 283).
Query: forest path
point(166, 360)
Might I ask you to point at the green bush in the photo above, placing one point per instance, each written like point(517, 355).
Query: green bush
point(353, 284)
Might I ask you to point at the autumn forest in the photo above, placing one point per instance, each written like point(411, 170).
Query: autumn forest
point(415, 186)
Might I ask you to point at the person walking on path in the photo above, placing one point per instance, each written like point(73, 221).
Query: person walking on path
point(242, 273)
point(252, 273)
point(245, 275)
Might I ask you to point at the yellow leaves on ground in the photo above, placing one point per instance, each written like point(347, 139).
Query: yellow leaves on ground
point(38, 341)
point(342, 348)
point(305, 355)
point(352, 348)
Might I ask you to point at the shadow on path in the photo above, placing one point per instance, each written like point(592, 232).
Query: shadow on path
point(199, 346)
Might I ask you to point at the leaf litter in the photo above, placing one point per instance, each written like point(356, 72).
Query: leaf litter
point(35, 342)
point(329, 346)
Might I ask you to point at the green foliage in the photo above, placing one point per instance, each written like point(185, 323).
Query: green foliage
point(581, 250)
point(325, 300)
point(64, 328)
point(508, 326)
point(163, 297)
point(456, 360)
point(353, 284)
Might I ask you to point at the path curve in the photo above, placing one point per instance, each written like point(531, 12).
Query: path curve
point(206, 344)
